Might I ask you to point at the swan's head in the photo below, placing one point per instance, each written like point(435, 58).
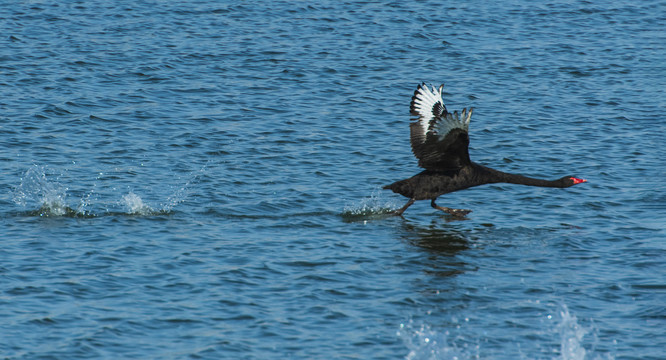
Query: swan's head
point(577, 181)
point(571, 181)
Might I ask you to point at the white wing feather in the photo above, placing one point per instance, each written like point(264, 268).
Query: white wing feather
point(448, 122)
point(434, 118)
point(425, 100)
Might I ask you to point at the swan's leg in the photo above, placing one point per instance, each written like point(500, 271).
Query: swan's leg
point(402, 209)
point(454, 212)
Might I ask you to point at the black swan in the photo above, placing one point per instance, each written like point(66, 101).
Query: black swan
point(439, 140)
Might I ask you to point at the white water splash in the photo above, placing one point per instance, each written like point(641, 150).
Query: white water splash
point(181, 193)
point(84, 204)
point(571, 338)
point(36, 190)
point(41, 193)
point(376, 204)
point(135, 206)
point(425, 343)
point(572, 335)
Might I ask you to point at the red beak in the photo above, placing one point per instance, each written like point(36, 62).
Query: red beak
point(578, 181)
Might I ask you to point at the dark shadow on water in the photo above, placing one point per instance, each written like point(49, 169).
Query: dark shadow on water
point(366, 213)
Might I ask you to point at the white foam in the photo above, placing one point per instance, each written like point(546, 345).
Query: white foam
point(135, 206)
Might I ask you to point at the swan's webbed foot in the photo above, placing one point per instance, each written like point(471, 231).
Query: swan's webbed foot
point(455, 212)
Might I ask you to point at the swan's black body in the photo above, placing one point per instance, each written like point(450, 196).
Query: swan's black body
point(440, 141)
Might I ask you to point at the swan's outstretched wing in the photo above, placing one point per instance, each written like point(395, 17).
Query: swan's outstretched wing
point(439, 139)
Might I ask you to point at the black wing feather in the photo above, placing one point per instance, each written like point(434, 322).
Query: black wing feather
point(439, 139)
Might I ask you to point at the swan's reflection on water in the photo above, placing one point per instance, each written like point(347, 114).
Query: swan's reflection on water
point(435, 238)
point(442, 246)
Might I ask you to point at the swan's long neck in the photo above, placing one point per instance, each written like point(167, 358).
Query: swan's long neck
point(496, 176)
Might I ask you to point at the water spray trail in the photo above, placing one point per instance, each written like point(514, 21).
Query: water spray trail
point(181, 193)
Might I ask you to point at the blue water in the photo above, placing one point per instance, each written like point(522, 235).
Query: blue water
point(202, 180)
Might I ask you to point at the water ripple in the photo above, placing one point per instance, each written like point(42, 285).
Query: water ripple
point(201, 179)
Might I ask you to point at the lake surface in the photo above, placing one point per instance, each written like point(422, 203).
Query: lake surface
point(202, 180)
